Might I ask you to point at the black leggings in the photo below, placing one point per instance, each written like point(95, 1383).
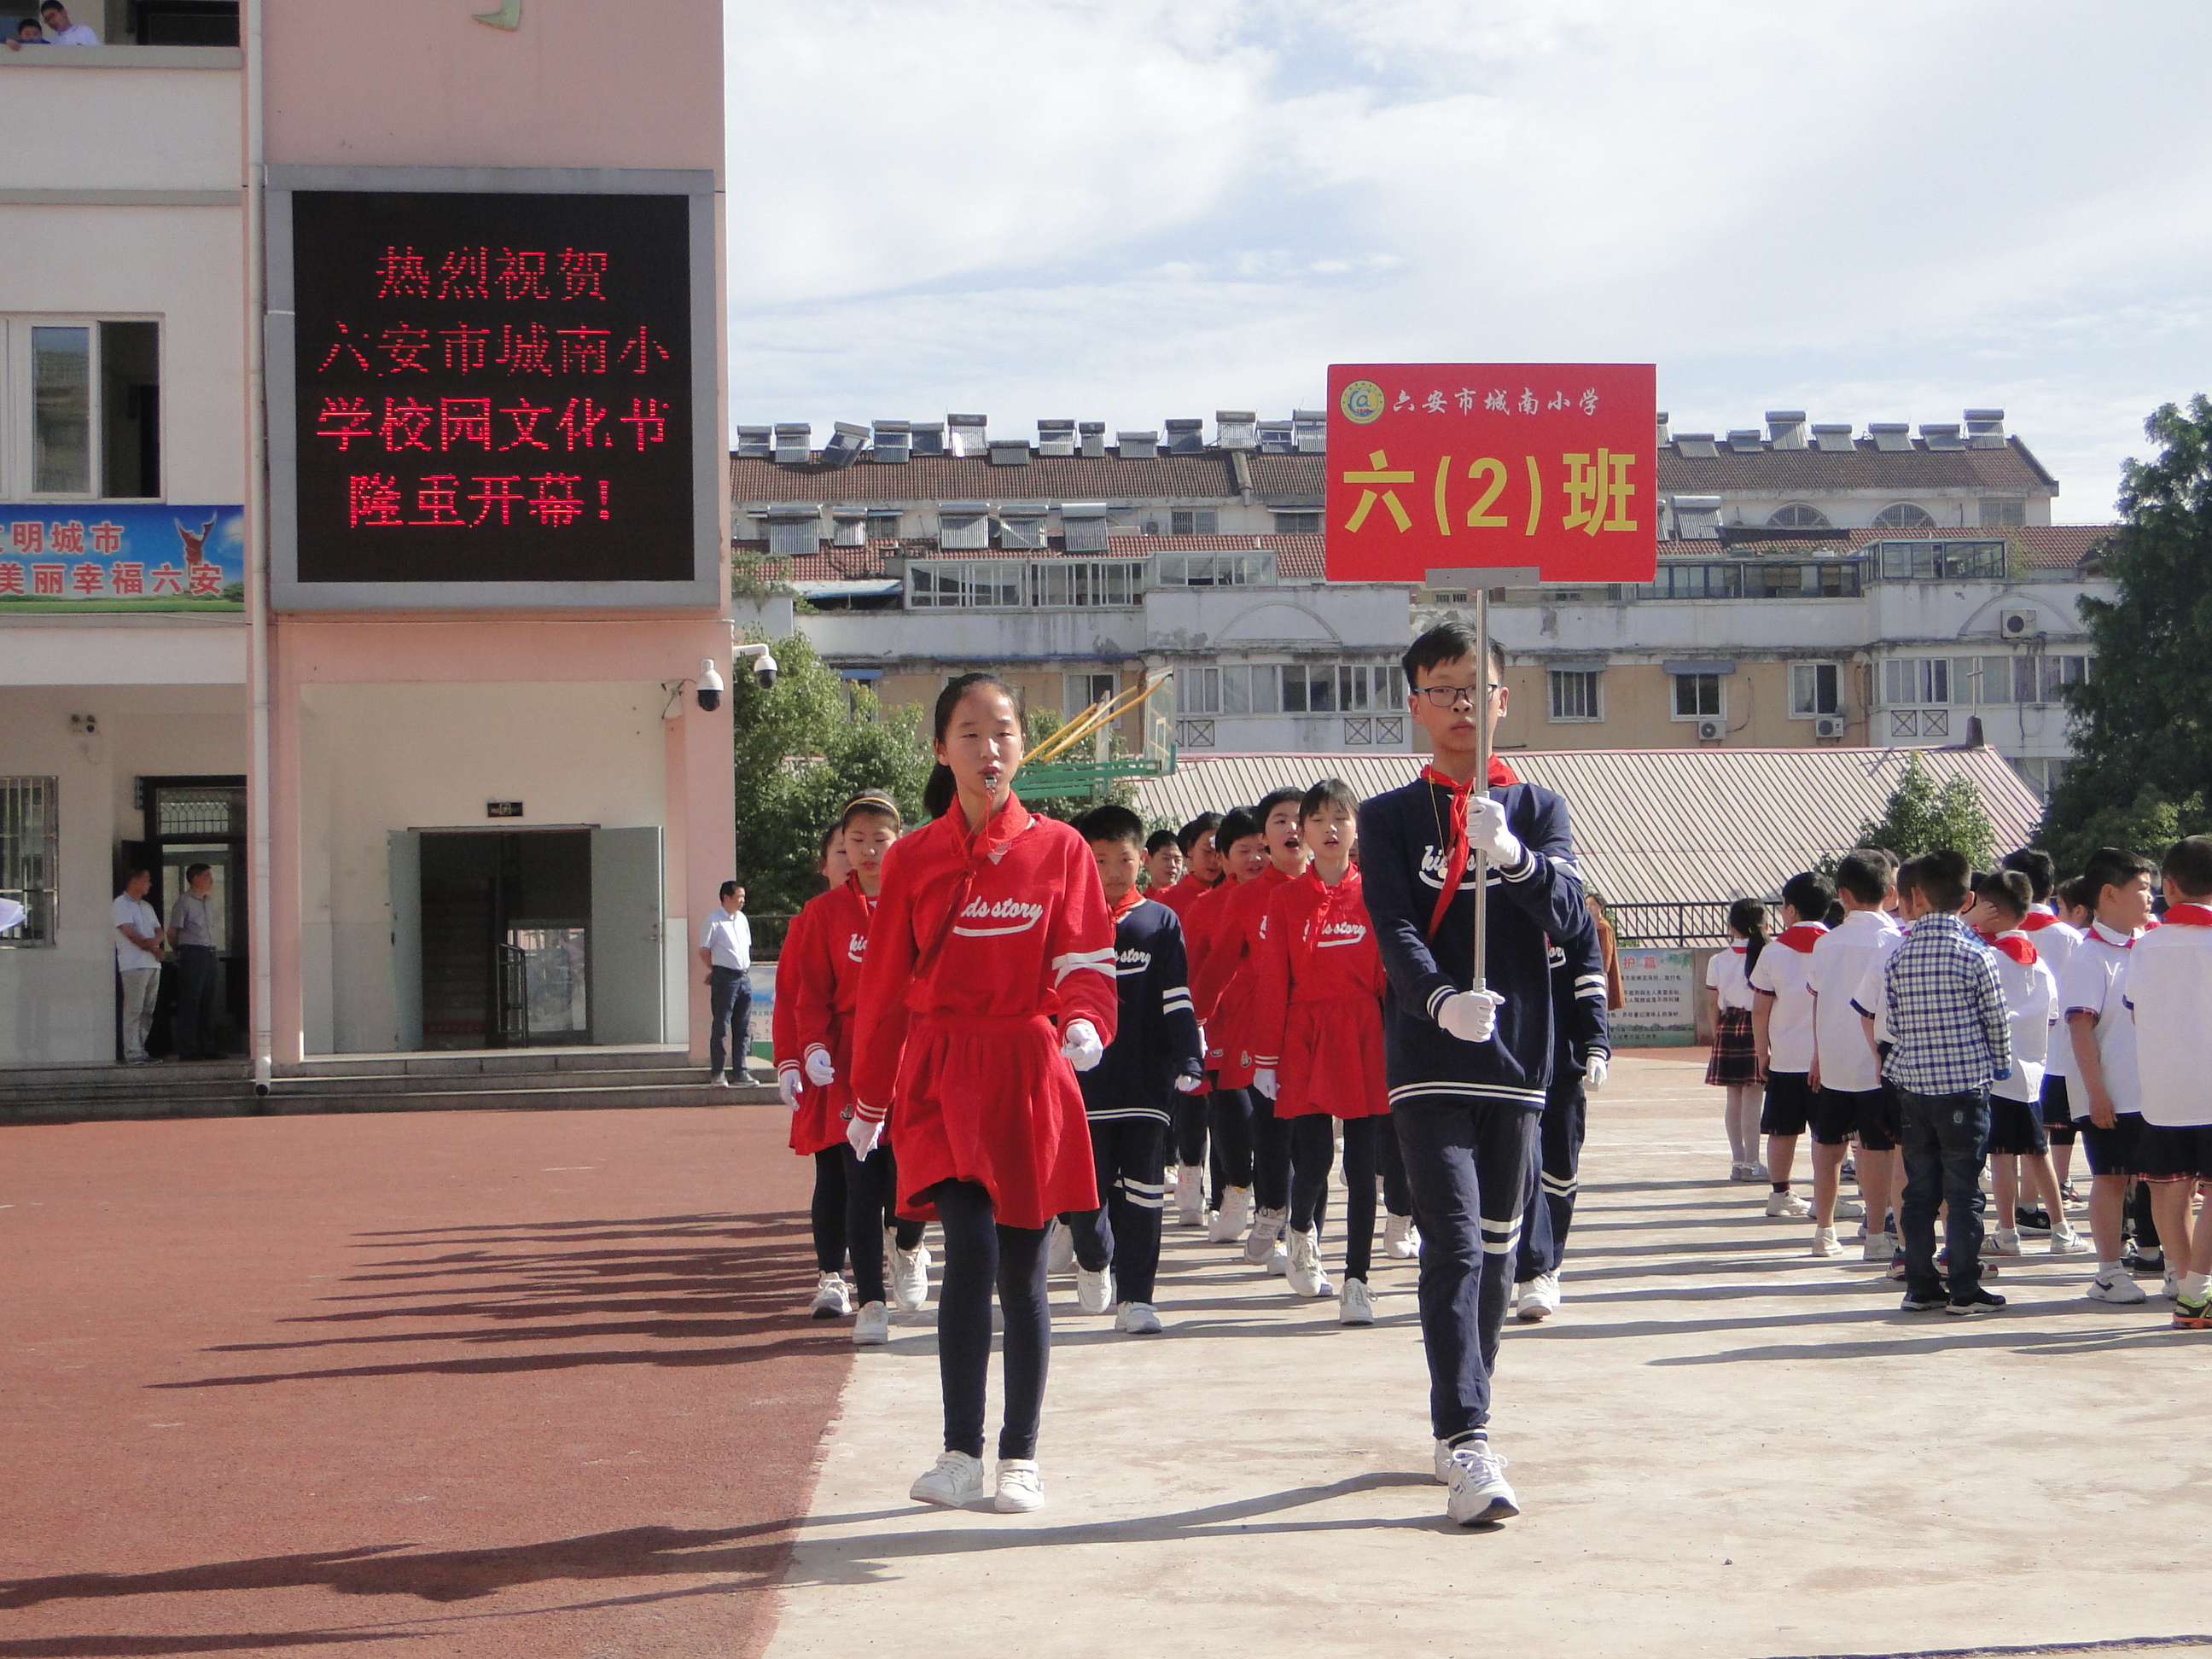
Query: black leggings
point(1229, 1114)
point(829, 1213)
point(979, 1253)
point(1313, 1140)
point(1397, 1192)
point(1189, 1130)
point(872, 1209)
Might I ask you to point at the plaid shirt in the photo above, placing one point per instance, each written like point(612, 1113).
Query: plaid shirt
point(1946, 1010)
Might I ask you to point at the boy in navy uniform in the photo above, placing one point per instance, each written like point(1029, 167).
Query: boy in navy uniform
point(1129, 1094)
point(1581, 1053)
point(1468, 1070)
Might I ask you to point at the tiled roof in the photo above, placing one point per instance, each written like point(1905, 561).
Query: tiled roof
point(973, 478)
point(1289, 475)
point(1808, 471)
point(2040, 546)
point(1298, 557)
point(1654, 825)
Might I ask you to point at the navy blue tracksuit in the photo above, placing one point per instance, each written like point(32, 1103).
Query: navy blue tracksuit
point(1579, 1031)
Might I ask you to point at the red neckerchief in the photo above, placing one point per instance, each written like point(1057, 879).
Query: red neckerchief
point(1128, 901)
point(1456, 866)
point(1333, 900)
point(998, 833)
point(2104, 935)
point(1802, 937)
point(2013, 943)
point(867, 904)
point(2036, 921)
point(1739, 947)
point(2189, 916)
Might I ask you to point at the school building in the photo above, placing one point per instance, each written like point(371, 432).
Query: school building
point(362, 530)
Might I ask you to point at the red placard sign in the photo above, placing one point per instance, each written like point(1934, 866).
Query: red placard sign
point(1547, 468)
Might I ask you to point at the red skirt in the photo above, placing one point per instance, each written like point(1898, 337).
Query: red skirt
point(991, 1099)
point(818, 1121)
point(1331, 1061)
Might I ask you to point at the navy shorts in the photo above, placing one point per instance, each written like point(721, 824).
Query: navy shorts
point(2116, 1150)
point(2058, 1113)
point(2016, 1129)
point(1839, 1114)
point(1789, 1105)
point(1881, 1128)
point(2165, 1152)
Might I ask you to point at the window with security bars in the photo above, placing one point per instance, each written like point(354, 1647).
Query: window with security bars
point(1575, 694)
point(29, 855)
point(1194, 521)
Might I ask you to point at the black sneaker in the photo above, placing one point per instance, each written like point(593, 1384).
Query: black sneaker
point(1850, 1170)
point(2144, 1261)
point(1976, 1301)
point(2036, 1221)
point(1929, 1304)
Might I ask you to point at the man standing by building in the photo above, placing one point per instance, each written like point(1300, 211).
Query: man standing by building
point(1467, 1069)
point(725, 950)
point(137, 961)
point(192, 935)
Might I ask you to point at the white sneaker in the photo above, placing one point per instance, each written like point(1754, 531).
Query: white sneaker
point(1267, 1228)
point(1441, 1467)
point(873, 1327)
point(719, 1080)
point(1060, 1248)
point(1356, 1307)
point(1020, 1492)
point(1787, 1206)
point(2004, 1241)
point(1094, 1292)
point(1402, 1240)
point(1880, 1247)
point(2117, 1285)
point(1307, 1276)
point(2066, 1240)
point(1538, 1298)
point(1478, 1495)
point(1230, 1220)
point(1279, 1264)
point(1825, 1242)
point(954, 1484)
point(2171, 1289)
point(1847, 1211)
point(833, 1298)
point(1758, 1171)
point(1137, 1319)
point(1738, 1172)
point(1190, 1195)
point(910, 1275)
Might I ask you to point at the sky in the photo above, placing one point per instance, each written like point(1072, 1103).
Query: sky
point(1125, 210)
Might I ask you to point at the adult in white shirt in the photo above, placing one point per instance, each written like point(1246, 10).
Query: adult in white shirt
point(137, 961)
point(60, 32)
point(725, 950)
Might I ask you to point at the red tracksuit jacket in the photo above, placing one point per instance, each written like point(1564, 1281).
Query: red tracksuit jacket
point(1317, 1010)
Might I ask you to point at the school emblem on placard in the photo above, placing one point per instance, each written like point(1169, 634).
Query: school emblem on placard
point(1362, 401)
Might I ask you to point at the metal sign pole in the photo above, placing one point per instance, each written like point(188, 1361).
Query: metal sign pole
point(1478, 865)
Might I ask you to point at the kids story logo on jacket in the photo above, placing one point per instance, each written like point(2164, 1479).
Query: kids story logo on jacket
point(1341, 932)
point(1132, 961)
point(1018, 915)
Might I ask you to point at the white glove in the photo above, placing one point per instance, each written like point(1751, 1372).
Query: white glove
point(786, 1085)
point(1471, 1015)
point(862, 1134)
point(1263, 1079)
point(820, 1072)
point(1595, 1073)
point(1080, 1044)
point(1486, 833)
point(1190, 1085)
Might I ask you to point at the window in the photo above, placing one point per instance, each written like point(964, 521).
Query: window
point(2058, 672)
point(1217, 569)
point(1447, 596)
point(30, 843)
point(1194, 521)
point(1697, 696)
point(1301, 524)
point(1575, 694)
point(1904, 516)
point(2004, 514)
point(1916, 680)
point(1815, 689)
point(1798, 516)
point(1932, 560)
point(1080, 691)
point(1062, 583)
point(1291, 689)
point(96, 408)
point(1741, 579)
point(960, 585)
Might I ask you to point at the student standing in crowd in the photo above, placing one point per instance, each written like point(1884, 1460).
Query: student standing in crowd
point(1849, 1096)
point(725, 951)
point(1201, 875)
point(1732, 1066)
point(1581, 1056)
point(1782, 1032)
point(1242, 844)
point(1162, 863)
point(2104, 1088)
point(137, 961)
point(2170, 992)
point(990, 926)
point(2054, 939)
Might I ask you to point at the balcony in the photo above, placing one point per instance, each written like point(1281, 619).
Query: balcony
point(120, 125)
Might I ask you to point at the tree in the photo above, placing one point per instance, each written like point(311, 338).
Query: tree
point(1038, 725)
point(801, 752)
point(2143, 722)
point(1922, 818)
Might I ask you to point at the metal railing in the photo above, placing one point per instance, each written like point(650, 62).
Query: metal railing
point(1679, 925)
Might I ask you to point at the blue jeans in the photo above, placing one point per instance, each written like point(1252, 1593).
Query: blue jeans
point(730, 1009)
point(1943, 1137)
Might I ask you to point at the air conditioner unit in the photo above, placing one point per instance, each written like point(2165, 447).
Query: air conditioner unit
point(2016, 625)
point(1829, 725)
point(1710, 730)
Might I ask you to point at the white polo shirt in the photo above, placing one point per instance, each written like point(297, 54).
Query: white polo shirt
point(1725, 975)
point(2096, 979)
point(135, 913)
point(1840, 959)
point(729, 938)
point(2031, 994)
point(1782, 973)
point(2169, 986)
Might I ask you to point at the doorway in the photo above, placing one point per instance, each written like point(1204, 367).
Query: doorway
point(506, 938)
point(189, 821)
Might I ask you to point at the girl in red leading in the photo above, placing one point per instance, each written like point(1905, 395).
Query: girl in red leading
point(826, 989)
point(991, 925)
point(816, 1132)
point(1316, 1034)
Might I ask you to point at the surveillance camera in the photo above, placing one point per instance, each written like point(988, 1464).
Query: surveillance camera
point(764, 671)
point(710, 685)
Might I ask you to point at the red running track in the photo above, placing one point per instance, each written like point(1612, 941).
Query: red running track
point(470, 1384)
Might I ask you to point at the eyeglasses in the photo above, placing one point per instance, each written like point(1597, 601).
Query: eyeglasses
point(1451, 696)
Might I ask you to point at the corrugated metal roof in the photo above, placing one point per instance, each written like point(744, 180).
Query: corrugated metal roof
point(1654, 825)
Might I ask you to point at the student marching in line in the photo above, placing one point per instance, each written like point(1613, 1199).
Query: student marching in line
point(1228, 1107)
point(1154, 1056)
point(816, 1132)
point(1849, 1096)
point(1317, 1035)
point(1734, 1063)
point(990, 926)
point(2170, 991)
point(825, 990)
point(2055, 939)
point(1581, 1054)
point(1782, 1032)
point(1163, 862)
point(2017, 1140)
point(2104, 1087)
point(1202, 874)
point(1467, 1069)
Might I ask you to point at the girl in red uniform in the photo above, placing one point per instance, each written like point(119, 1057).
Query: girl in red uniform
point(825, 993)
point(815, 1132)
point(1229, 1106)
point(1316, 1033)
point(991, 925)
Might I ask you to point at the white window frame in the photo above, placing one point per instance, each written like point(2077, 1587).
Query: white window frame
point(1591, 696)
point(18, 419)
point(1215, 570)
point(1310, 515)
point(953, 584)
point(1805, 690)
point(1079, 691)
point(1193, 513)
point(1088, 584)
point(1918, 682)
point(1720, 694)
